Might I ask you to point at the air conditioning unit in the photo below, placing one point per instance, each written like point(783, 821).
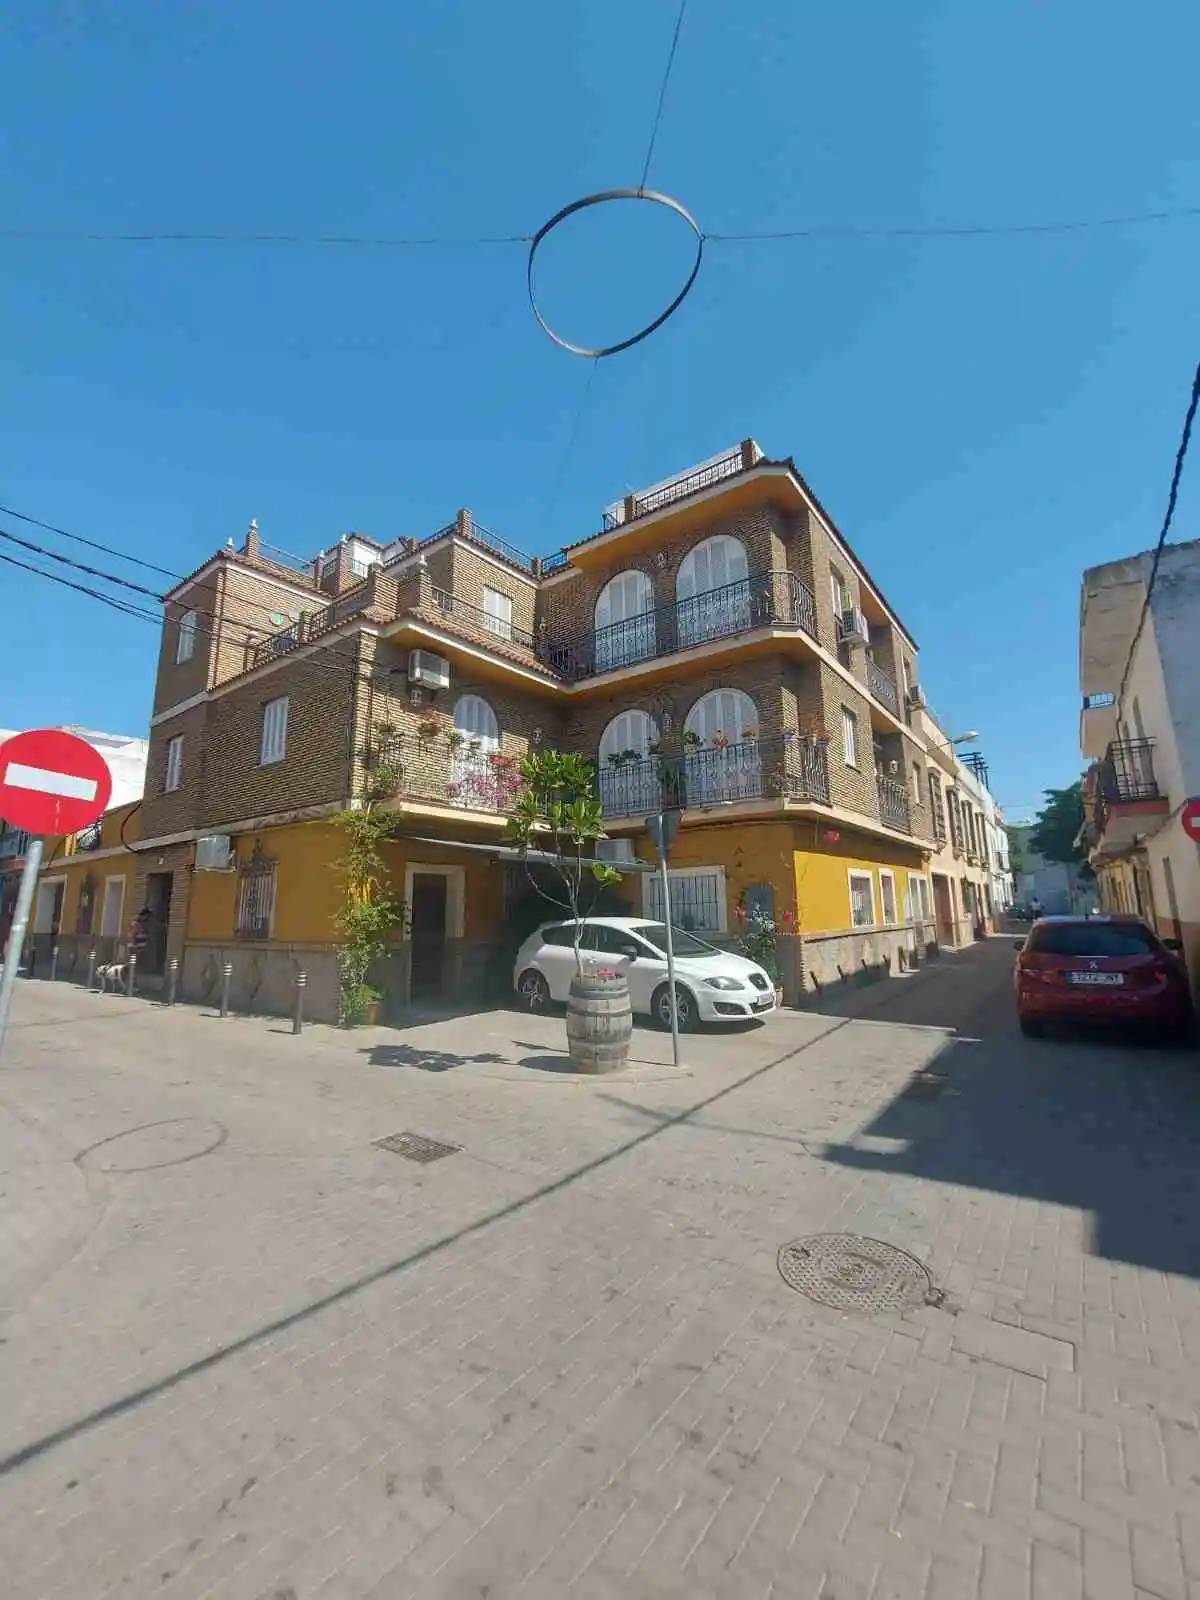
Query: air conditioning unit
point(916, 698)
point(855, 629)
point(615, 850)
point(215, 853)
point(424, 667)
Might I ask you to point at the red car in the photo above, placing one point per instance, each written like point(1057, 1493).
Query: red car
point(1101, 969)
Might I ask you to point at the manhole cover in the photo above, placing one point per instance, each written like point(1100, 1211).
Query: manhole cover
point(853, 1273)
point(416, 1147)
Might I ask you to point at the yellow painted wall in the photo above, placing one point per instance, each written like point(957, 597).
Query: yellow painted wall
point(78, 869)
point(308, 884)
point(823, 864)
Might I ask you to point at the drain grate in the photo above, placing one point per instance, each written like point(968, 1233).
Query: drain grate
point(853, 1273)
point(416, 1147)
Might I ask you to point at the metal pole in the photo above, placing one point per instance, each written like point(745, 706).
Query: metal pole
point(132, 973)
point(226, 975)
point(54, 964)
point(172, 979)
point(666, 900)
point(298, 1019)
point(91, 979)
point(16, 937)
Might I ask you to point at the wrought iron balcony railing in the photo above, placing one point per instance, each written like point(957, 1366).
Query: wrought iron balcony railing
point(482, 621)
point(763, 599)
point(882, 687)
point(441, 771)
point(1127, 772)
point(789, 768)
point(893, 804)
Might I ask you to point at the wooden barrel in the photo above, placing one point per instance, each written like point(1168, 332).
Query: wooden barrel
point(599, 1023)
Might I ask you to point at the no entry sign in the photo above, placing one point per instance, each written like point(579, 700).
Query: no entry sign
point(1190, 817)
point(52, 782)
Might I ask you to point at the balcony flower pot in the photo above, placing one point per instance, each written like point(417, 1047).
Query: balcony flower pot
point(599, 1022)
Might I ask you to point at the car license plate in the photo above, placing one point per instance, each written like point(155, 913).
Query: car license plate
point(1105, 978)
point(765, 1004)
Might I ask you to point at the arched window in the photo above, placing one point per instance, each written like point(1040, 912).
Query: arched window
point(624, 621)
point(712, 591)
point(472, 783)
point(721, 753)
point(476, 721)
point(628, 766)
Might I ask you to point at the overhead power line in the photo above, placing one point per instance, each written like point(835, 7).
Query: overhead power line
point(92, 544)
point(1169, 517)
point(79, 566)
point(94, 594)
point(961, 231)
point(848, 231)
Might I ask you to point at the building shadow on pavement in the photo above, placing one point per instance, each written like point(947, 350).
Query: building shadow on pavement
point(422, 1059)
point(1108, 1127)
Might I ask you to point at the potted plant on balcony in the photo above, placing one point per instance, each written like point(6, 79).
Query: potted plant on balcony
point(691, 739)
point(427, 730)
point(455, 739)
point(558, 820)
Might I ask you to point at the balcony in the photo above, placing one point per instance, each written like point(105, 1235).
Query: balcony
point(787, 768)
point(762, 600)
point(893, 804)
point(882, 687)
point(1126, 801)
point(703, 477)
point(463, 776)
point(13, 844)
point(480, 621)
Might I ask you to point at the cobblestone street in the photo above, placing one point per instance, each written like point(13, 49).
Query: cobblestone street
point(245, 1352)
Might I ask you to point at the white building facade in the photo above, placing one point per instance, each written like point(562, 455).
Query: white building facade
point(1140, 728)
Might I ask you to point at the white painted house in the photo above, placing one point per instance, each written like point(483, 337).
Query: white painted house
point(1139, 669)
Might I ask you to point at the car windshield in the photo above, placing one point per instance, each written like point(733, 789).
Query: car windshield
point(1094, 939)
point(683, 943)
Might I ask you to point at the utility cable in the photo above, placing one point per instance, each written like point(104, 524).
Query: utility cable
point(662, 92)
point(849, 231)
point(92, 544)
point(94, 594)
point(972, 231)
point(79, 566)
point(1172, 498)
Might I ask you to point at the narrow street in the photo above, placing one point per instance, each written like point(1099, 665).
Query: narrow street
point(245, 1352)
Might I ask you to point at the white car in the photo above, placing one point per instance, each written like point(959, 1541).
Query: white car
point(711, 985)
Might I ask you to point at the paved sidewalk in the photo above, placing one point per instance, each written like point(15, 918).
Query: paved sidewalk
point(248, 1353)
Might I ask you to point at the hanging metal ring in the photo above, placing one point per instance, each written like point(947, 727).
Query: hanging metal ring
point(598, 200)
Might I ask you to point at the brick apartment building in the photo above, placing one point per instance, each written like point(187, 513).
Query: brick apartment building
point(716, 645)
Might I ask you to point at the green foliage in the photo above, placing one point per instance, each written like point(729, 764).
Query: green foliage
point(559, 812)
point(1057, 826)
point(367, 914)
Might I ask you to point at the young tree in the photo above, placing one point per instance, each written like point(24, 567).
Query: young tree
point(559, 812)
point(1055, 832)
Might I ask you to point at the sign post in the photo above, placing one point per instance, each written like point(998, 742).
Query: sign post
point(663, 829)
point(50, 782)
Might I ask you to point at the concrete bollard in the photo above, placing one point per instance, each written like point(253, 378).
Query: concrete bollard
point(91, 979)
point(172, 979)
point(132, 973)
point(298, 1018)
point(226, 976)
point(54, 964)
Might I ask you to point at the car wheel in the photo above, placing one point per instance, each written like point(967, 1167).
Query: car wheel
point(533, 990)
point(686, 1009)
point(1031, 1029)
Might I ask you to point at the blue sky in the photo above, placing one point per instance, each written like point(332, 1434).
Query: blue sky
point(984, 417)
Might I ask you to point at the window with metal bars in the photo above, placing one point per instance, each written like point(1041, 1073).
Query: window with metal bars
point(256, 900)
point(697, 899)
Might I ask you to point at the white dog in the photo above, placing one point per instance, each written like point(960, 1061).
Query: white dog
point(114, 973)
